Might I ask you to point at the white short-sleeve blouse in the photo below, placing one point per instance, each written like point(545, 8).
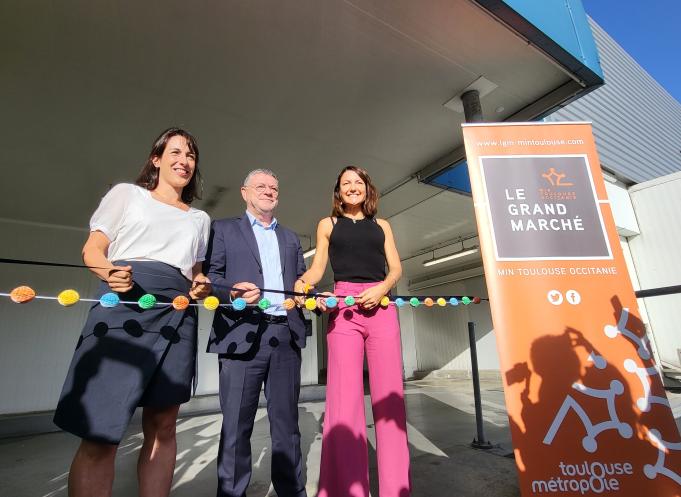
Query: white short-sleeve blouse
point(141, 228)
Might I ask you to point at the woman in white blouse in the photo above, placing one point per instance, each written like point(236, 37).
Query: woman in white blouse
point(144, 239)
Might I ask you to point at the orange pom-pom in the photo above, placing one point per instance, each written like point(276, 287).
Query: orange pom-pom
point(22, 294)
point(180, 303)
point(289, 304)
point(428, 302)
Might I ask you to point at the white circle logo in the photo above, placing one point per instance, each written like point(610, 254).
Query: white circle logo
point(555, 297)
point(573, 297)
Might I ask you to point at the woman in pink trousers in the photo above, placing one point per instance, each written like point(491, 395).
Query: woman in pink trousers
point(360, 246)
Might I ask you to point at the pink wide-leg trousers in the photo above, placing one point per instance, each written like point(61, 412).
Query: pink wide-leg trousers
point(344, 463)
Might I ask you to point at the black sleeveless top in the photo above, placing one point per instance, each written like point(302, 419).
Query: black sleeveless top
point(356, 250)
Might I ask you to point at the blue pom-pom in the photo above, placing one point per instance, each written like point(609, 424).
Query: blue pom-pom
point(109, 300)
point(454, 301)
point(239, 304)
point(331, 302)
point(399, 301)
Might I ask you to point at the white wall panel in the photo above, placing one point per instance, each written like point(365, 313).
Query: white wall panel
point(441, 334)
point(656, 252)
point(38, 338)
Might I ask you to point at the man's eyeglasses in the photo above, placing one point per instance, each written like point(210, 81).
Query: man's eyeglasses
point(263, 188)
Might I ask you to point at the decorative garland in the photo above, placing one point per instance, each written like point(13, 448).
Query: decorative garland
point(67, 298)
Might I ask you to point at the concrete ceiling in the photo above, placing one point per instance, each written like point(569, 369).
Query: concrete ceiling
point(303, 87)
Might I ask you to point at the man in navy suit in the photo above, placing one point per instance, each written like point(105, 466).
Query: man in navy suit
point(249, 253)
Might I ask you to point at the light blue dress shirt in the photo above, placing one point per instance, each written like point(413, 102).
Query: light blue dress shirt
point(268, 246)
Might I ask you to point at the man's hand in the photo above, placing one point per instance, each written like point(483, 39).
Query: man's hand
point(299, 287)
point(247, 291)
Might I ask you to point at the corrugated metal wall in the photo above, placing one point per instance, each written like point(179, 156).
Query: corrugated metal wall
point(657, 256)
point(637, 124)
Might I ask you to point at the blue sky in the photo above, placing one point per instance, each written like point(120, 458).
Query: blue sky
point(650, 31)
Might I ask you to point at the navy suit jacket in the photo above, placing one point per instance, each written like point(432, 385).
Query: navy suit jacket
point(233, 257)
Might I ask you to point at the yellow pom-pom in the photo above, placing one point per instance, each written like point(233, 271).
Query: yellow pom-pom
point(385, 301)
point(68, 298)
point(180, 303)
point(211, 303)
point(310, 304)
point(22, 294)
point(289, 304)
point(307, 288)
point(441, 302)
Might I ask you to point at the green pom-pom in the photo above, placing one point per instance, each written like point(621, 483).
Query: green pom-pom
point(465, 300)
point(147, 301)
point(414, 302)
point(349, 300)
point(264, 304)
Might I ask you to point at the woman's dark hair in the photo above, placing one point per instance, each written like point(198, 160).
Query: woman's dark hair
point(370, 204)
point(148, 176)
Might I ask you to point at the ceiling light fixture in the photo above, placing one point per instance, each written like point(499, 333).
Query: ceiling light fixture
point(462, 253)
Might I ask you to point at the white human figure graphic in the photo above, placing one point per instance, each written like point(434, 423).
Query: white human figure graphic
point(598, 361)
point(589, 442)
point(644, 403)
point(663, 447)
point(646, 376)
point(621, 329)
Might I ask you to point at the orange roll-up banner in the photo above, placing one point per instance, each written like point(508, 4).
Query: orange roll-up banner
point(587, 409)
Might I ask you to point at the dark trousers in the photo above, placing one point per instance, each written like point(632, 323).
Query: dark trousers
point(275, 360)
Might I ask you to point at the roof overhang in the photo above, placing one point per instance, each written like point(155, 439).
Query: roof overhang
point(302, 87)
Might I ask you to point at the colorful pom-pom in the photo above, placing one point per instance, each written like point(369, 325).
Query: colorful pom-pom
point(239, 304)
point(441, 302)
point(289, 304)
point(428, 302)
point(476, 300)
point(68, 298)
point(454, 301)
point(146, 301)
point(211, 303)
point(310, 304)
point(399, 301)
point(385, 301)
point(264, 304)
point(307, 288)
point(349, 300)
point(110, 299)
point(414, 302)
point(331, 302)
point(22, 294)
point(180, 303)
point(465, 300)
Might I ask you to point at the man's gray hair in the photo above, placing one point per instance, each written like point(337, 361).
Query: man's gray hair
point(268, 172)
